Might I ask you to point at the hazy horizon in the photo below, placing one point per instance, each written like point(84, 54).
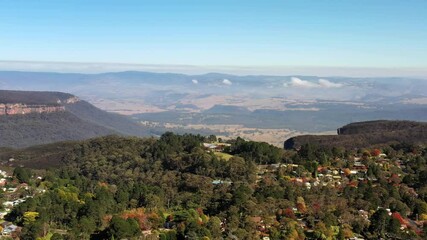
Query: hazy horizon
point(105, 67)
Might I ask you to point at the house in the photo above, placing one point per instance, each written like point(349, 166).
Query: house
point(5, 224)
point(8, 204)
point(2, 214)
point(215, 147)
point(217, 182)
point(361, 169)
point(3, 182)
point(12, 189)
point(24, 185)
point(18, 201)
point(9, 229)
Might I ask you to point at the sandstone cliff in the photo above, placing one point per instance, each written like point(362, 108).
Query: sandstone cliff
point(21, 109)
point(30, 118)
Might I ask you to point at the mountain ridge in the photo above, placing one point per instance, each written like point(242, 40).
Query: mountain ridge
point(366, 134)
point(56, 116)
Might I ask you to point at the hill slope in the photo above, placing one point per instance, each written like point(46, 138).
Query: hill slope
point(28, 118)
point(34, 129)
point(367, 134)
point(116, 122)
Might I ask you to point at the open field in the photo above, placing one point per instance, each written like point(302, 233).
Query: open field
point(275, 137)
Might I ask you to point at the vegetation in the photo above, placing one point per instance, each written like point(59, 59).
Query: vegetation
point(26, 130)
point(172, 188)
point(33, 97)
point(224, 156)
point(81, 120)
point(367, 135)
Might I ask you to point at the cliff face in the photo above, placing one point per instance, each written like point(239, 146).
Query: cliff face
point(64, 117)
point(21, 109)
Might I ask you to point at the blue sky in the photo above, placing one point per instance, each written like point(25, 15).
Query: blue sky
point(340, 33)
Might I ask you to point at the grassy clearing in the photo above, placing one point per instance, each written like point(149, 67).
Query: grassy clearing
point(224, 156)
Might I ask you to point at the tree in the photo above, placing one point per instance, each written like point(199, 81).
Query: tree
point(379, 222)
point(30, 217)
point(301, 205)
point(214, 226)
point(121, 228)
point(375, 152)
point(22, 174)
point(32, 231)
point(236, 168)
point(321, 231)
point(394, 225)
point(56, 236)
point(87, 225)
point(212, 138)
point(291, 230)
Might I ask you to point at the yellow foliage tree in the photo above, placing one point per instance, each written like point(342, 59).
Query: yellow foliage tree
point(30, 217)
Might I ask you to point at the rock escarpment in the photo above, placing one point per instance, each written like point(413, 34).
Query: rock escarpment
point(26, 102)
point(22, 109)
point(31, 118)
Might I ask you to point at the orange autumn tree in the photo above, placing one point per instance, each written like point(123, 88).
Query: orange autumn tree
point(375, 152)
point(140, 216)
point(301, 205)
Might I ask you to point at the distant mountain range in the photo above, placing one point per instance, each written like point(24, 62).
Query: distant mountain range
point(31, 118)
point(301, 103)
point(366, 135)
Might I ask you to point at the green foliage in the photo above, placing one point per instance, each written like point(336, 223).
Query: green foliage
point(115, 187)
point(120, 228)
point(379, 222)
point(56, 236)
point(22, 174)
point(259, 152)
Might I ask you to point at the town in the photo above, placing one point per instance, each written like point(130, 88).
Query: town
point(235, 188)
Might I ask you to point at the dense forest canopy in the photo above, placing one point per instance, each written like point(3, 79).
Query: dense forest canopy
point(174, 188)
point(367, 135)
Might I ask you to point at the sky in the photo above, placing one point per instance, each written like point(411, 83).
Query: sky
point(330, 34)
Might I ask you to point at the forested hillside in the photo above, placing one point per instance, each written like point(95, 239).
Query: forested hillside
point(367, 134)
point(175, 188)
point(35, 129)
point(33, 97)
point(118, 123)
point(27, 122)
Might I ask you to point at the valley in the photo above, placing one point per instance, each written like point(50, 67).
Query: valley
point(226, 132)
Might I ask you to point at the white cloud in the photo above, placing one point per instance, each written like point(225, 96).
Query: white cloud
point(195, 81)
point(297, 82)
point(328, 84)
point(226, 82)
point(322, 83)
